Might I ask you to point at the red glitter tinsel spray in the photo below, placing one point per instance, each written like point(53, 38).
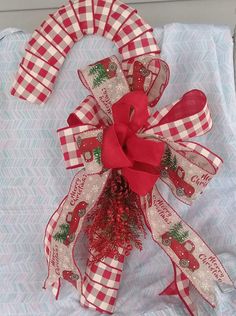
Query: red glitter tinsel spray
point(115, 225)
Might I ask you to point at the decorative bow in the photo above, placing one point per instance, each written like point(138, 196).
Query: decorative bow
point(137, 157)
point(125, 150)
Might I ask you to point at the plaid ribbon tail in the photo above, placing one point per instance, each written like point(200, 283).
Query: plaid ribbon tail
point(180, 286)
point(101, 284)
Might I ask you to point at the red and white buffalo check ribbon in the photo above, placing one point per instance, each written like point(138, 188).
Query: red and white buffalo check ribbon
point(51, 42)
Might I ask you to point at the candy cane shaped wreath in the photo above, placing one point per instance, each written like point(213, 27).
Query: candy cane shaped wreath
point(115, 190)
point(51, 42)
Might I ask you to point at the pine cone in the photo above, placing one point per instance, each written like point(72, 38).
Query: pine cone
point(119, 187)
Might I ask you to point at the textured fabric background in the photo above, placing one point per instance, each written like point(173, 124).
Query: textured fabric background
point(33, 179)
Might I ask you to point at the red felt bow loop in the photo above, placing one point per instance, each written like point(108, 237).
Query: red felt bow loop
point(131, 109)
point(113, 156)
point(122, 148)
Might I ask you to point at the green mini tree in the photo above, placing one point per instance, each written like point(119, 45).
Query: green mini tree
point(174, 163)
point(62, 234)
point(176, 231)
point(168, 160)
point(100, 74)
point(97, 154)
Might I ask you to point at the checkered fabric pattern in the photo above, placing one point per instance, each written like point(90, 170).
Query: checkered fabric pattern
point(40, 70)
point(68, 19)
point(213, 158)
point(142, 45)
point(84, 9)
point(51, 42)
point(41, 46)
point(71, 154)
point(28, 88)
point(118, 16)
point(155, 67)
point(129, 31)
point(101, 284)
point(88, 113)
point(56, 35)
point(182, 283)
point(102, 10)
point(90, 116)
point(181, 129)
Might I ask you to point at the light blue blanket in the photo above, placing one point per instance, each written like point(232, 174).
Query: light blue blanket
point(33, 179)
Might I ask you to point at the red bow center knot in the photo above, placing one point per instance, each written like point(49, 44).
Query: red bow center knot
point(124, 147)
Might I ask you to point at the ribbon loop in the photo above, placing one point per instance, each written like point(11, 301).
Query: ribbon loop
point(132, 110)
point(186, 171)
point(106, 81)
point(123, 148)
point(88, 113)
point(186, 118)
point(113, 155)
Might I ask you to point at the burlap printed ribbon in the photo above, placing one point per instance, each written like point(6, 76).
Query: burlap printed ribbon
point(113, 130)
